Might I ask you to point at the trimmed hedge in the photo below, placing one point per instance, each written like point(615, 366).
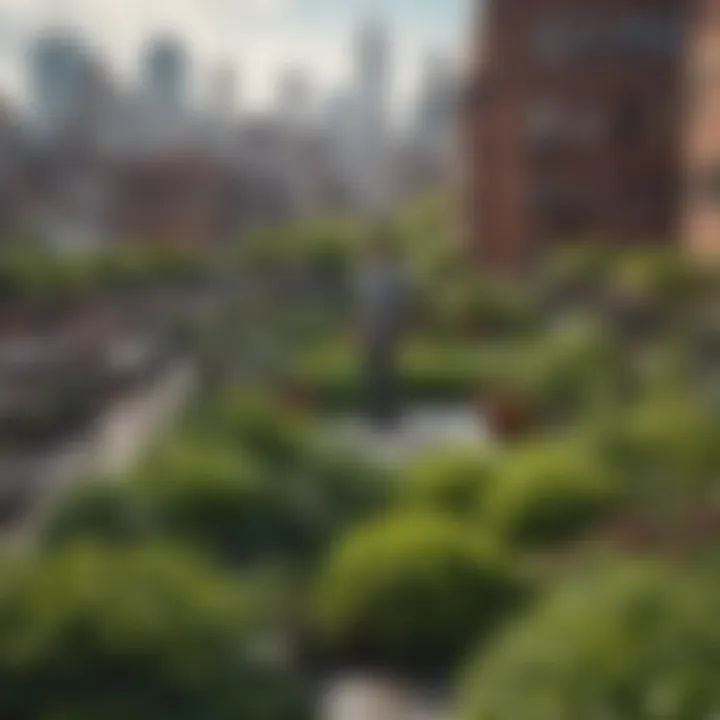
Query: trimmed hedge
point(34, 275)
point(662, 447)
point(95, 633)
point(548, 493)
point(475, 306)
point(332, 375)
point(635, 641)
point(413, 593)
point(230, 504)
point(252, 419)
point(453, 481)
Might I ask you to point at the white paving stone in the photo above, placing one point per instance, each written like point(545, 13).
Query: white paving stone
point(421, 428)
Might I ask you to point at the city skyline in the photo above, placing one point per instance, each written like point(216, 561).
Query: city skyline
point(258, 39)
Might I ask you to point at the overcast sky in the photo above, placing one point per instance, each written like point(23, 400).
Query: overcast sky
point(258, 38)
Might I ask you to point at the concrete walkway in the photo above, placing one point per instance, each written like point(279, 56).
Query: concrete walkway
point(422, 428)
point(110, 448)
point(368, 698)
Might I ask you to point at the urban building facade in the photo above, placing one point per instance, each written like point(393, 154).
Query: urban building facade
point(701, 228)
point(572, 125)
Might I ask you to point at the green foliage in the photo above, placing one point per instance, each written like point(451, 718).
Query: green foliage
point(577, 273)
point(332, 374)
point(253, 419)
point(227, 503)
point(574, 371)
point(32, 275)
point(102, 510)
point(476, 306)
point(456, 481)
point(92, 633)
point(549, 492)
point(636, 641)
point(327, 247)
point(663, 447)
point(413, 593)
point(658, 275)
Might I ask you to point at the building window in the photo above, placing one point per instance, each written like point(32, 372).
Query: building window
point(545, 123)
point(705, 186)
point(568, 38)
point(629, 123)
point(561, 208)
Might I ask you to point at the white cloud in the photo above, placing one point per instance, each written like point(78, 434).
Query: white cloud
point(249, 35)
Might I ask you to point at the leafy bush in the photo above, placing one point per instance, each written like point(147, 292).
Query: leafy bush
point(226, 504)
point(38, 275)
point(332, 375)
point(549, 492)
point(220, 502)
point(348, 488)
point(573, 371)
point(92, 633)
point(413, 593)
point(638, 641)
point(477, 306)
point(100, 510)
point(455, 481)
point(661, 276)
point(442, 372)
point(254, 420)
point(576, 274)
point(325, 248)
point(663, 446)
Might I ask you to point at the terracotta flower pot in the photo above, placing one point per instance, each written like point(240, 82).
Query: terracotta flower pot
point(508, 416)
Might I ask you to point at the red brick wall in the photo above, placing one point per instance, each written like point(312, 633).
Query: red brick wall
point(702, 217)
point(572, 125)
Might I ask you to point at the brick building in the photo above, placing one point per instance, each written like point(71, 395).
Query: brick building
point(702, 202)
point(572, 125)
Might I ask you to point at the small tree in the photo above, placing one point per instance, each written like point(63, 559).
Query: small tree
point(413, 593)
point(635, 641)
point(92, 633)
point(550, 492)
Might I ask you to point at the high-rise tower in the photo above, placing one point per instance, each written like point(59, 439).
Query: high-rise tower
point(165, 76)
point(372, 116)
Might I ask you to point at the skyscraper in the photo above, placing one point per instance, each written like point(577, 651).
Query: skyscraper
point(58, 75)
point(372, 116)
point(436, 104)
point(165, 76)
point(293, 99)
point(222, 92)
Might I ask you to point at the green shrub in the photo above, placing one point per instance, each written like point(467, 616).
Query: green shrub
point(325, 248)
point(456, 481)
point(638, 641)
point(574, 371)
point(254, 420)
point(660, 276)
point(226, 504)
point(446, 372)
point(549, 492)
point(348, 488)
point(662, 447)
point(576, 273)
point(332, 375)
point(92, 633)
point(222, 503)
point(413, 593)
point(478, 306)
point(101, 510)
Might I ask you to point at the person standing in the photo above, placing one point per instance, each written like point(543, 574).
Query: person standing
point(384, 289)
